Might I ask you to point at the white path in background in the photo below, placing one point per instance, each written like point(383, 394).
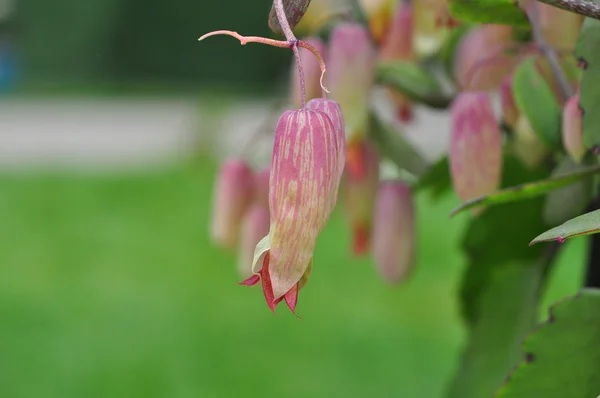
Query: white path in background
point(140, 133)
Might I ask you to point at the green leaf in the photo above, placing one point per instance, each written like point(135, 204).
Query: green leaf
point(536, 100)
point(436, 179)
point(501, 289)
point(567, 202)
point(586, 224)
point(530, 189)
point(414, 82)
point(589, 99)
point(506, 12)
point(392, 144)
point(562, 357)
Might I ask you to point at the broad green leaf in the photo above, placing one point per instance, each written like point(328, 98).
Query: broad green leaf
point(589, 57)
point(505, 12)
point(436, 179)
point(567, 202)
point(536, 100)
point(501, 289)
point(413, 81)
point(562, 357)
point(530, 189)
point(586, 224)
point(392, 144)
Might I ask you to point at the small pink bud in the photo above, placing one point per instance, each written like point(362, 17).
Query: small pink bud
point(255, 225)
point(572, 129)
point(303, 168)
point(394, 231)
point(312, 72)
point(510, 112)
point(233, 193)
point(359, 191)
point(398, 43)
point(481, 61)
point(350, 71)
point(475, 146)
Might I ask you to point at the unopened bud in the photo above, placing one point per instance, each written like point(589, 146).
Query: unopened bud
point(510, 112)
point(233, 193)
point(359, 192)
point(312, 72)
point(394, 231)
point(350, 71)
point(481, 61)
point(475, 146)
point(572, 129)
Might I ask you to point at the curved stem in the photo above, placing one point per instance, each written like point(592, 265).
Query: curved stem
point(291, 38)
point(566, 90)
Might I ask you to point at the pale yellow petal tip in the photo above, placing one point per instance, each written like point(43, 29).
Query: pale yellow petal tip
point(261, 248)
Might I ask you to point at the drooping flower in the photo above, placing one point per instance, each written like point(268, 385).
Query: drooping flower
point(312, 73)
point(334, 111)
point(394, 236)
point(350, 70)
point(482, 60)
point(398, 46)
point(233, 193)
point(572, 129)
point(359, 192)
point(475, 146)
point(303, 166)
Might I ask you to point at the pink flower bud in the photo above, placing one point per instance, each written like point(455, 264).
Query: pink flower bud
point(475, 146)
point(359, 191)
point(312, 72)
point(394, 231)
point(510, 112)
point(350, 70)
point(481, 61)
point(398, 46)
point(334, 111)
point(233, 193)
point(303, 166)
point(255, 225)
point(398, 43)
point(572, 129)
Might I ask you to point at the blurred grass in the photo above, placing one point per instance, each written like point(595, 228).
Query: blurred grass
point(110, 288)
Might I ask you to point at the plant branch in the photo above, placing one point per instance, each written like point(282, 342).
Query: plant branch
point(565, 88)
point(583, 7)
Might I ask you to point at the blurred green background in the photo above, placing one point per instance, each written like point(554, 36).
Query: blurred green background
point(109, 286)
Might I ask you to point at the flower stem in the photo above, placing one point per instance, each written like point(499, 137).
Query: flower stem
point(565, 88)
point(291, 38)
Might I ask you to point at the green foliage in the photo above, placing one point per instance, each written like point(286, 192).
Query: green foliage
point(392, 144)
point(413, 81)
point(535, 99)
point(450, 46)
point(528, 190)
point(437, 179)
point(585, 224)
point(501, 288)
point(589, 100)
point(567, 202)
point(505, 12)
point(562, 355)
